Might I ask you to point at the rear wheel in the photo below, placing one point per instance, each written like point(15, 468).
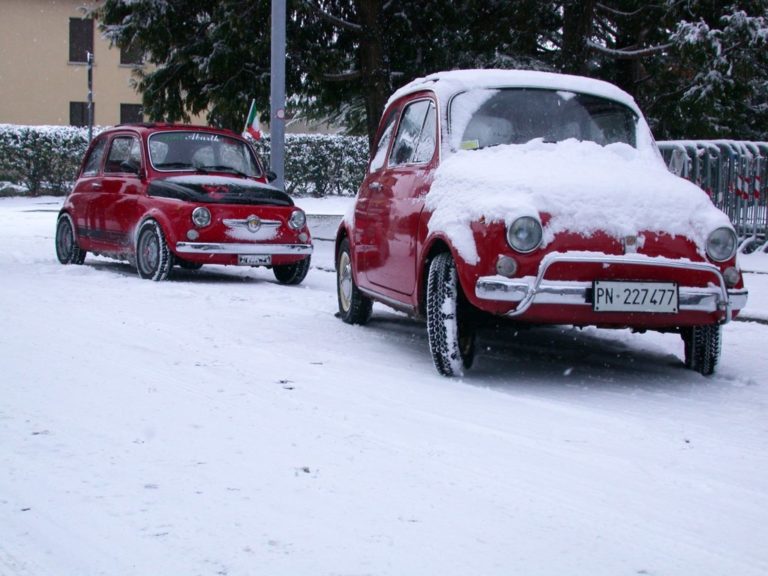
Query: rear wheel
point(702, 347)
point(153, 258)
point(354, 306)
point(67, 249)
point(450, 329)
point(292, 273)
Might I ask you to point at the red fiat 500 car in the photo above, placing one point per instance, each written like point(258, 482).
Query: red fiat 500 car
point(160, 194)
point(536, 197)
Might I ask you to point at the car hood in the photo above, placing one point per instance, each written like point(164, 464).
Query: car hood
point(582, 186)
point(218, 190)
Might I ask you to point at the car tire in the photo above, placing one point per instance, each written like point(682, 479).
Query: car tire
point(450, 330)
point(153, 258)
point(354, 306)
point(702, 347)
point(292, 274)
point(68, 251)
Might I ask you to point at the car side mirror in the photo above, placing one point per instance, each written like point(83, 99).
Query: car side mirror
point(271, 176)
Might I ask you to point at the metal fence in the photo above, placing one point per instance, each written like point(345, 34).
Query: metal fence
point(733, 173)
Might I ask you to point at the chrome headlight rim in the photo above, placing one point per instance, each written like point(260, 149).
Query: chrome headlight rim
point(534, 232)
point(297, 220)
point(201, 217)
point(722, 244)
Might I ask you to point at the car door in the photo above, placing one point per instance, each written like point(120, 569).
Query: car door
point(87, 184)
point(114, 208)
point(396, 195)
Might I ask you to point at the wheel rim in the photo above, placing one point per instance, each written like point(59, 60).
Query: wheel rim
point(65, 239)
point(149, 253)
point(345, 281)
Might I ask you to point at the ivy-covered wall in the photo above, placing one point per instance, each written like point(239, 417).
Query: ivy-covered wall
point(39, 160)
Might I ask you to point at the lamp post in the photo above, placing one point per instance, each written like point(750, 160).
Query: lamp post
point(89, 59)
point(277, 93)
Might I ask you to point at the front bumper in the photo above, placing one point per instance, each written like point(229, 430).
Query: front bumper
point(243, 248)
point(530, 290)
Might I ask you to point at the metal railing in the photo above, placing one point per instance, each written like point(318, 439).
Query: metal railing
point(735, 175)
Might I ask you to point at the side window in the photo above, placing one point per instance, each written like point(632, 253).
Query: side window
point(428, 140)
point(93, 162)
point(409, 135)
point(124, 155)
point(386, 137)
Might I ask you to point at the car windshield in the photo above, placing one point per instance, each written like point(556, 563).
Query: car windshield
point(486, 117)
point(201, 152)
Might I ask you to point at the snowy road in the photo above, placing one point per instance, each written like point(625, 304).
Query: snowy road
point(220, 423)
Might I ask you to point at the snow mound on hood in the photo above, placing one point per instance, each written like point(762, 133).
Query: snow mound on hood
point(584, 187)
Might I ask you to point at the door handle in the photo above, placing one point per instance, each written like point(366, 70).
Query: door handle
point(96, 186)
point(375, 186)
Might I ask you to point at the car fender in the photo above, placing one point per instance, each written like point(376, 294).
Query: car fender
point(165, 225)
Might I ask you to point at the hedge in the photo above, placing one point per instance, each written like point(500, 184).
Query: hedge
point(45, 160)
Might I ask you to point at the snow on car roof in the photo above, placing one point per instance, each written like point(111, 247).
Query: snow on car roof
point(446, 84)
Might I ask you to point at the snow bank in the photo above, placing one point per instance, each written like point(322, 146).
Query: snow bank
point(583, 186)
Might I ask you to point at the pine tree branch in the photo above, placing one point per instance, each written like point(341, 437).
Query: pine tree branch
point(335, 20)
point(624, 54)
point(343, 76)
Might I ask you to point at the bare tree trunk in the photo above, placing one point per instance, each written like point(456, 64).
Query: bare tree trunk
point(373, 64)
point(578, 17)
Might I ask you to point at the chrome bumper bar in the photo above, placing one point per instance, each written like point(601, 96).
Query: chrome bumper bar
point(531, 290)
point(243, 248)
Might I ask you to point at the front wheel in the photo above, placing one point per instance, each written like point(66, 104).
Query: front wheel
point(702, 347)
point(292, 274)
point(354, 306)
point(68, 251)
point(449, 328)
point(153, 258)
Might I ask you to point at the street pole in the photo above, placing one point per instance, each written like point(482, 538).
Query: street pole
point(89, 58)
point(277, 93)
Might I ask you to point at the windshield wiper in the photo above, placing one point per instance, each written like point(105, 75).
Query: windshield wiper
point(220, 168)
point(173, 165)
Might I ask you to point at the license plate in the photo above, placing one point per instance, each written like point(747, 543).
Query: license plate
point(634, 297)
point(254, 259)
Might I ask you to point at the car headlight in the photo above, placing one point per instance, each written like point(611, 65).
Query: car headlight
point(721, 244)
point(297, 220)
point(524, 234)
point(201, 216)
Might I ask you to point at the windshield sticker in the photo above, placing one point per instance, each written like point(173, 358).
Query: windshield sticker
point(470, 144)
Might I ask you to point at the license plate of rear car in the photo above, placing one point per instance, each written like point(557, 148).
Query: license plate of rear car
point(254, 259)
point(609, 296)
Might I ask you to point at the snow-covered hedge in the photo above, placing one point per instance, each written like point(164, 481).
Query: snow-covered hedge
point(45, 159)
point(41, 159)
point(322, 164)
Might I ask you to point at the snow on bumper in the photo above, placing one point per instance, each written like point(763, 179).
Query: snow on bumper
point(531, 290)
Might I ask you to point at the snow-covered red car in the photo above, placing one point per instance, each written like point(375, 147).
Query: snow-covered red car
point(537, 197)
point(164, 194)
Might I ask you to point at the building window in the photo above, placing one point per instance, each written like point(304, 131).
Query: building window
point(78, 113)
point(131, 113)
point(80, 39)
point(131, 55)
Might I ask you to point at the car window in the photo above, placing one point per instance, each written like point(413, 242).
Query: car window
point(409, 134)
point(483, 117)
point(200, 151)
point(124, 155)
point(93, 162)
point(427, 141)
point(386, 137)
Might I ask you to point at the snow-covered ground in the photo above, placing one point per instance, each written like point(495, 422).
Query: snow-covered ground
point(220, 423)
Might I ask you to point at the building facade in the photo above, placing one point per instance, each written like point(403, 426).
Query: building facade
point(44, 70)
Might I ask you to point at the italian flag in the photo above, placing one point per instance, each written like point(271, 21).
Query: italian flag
point(252, 123)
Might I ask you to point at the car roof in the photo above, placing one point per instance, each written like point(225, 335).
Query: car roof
point(147, 128)
point(447, 84)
